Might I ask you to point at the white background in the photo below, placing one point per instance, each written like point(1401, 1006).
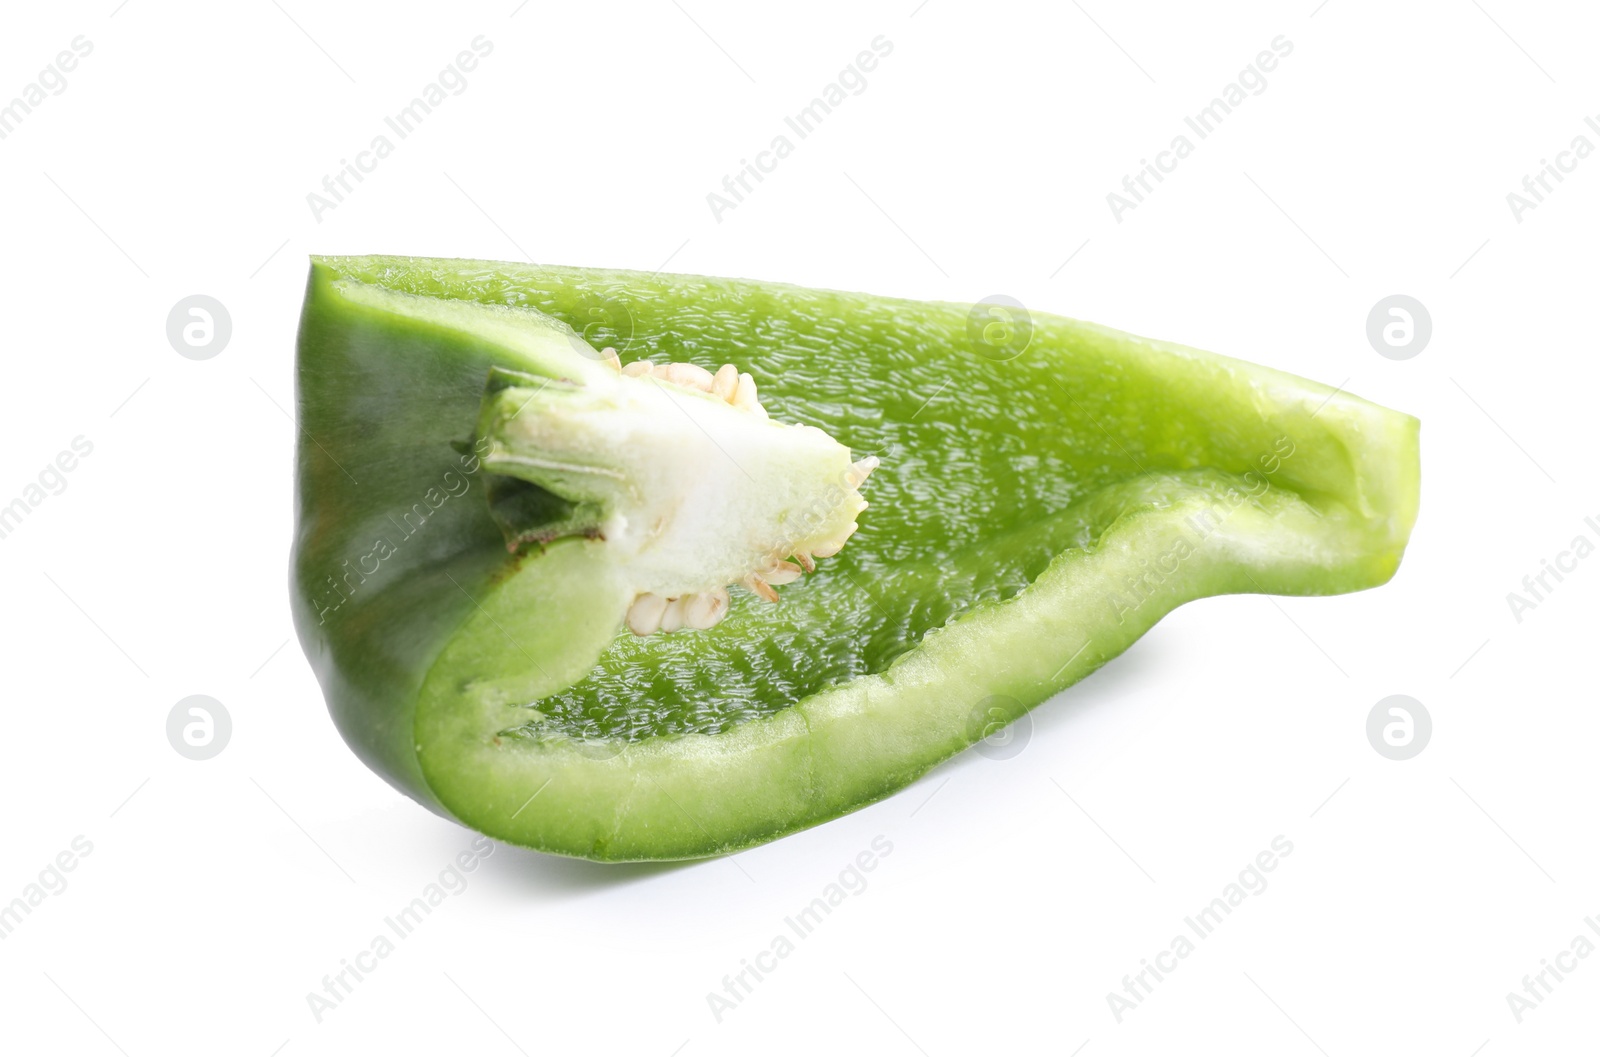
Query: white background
point(218, 894)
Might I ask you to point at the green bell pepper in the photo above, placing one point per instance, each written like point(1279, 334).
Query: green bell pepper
point(534, 561)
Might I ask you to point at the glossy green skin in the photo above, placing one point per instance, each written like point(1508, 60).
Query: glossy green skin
point(1031, 520)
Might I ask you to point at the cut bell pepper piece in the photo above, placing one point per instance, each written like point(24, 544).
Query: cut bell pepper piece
point(533, 562)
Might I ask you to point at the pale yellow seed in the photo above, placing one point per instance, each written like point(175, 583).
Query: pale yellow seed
point(688, 375)
point(705, 609)
point(782, 573)
point(725, 382)
point(860, 471)
point(745, 396)
point(637, 369)
point(609, 357)
point(644, 616)
point(805, 561)
point(672, 618)
point(761, 587)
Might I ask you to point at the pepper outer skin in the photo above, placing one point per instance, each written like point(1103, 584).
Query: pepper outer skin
point(1190, 475)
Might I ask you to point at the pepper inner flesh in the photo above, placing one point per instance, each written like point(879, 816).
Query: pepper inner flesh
point(868, 610)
